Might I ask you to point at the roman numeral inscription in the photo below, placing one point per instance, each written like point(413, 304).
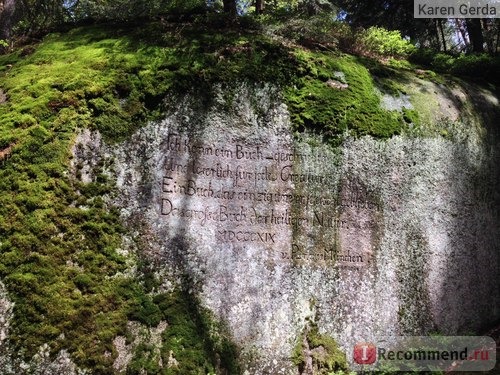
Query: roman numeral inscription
point(271, 196)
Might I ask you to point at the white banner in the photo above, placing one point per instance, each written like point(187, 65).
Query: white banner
point(456, 9)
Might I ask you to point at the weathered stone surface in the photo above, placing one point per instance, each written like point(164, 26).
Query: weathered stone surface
point(141, 335)
point(6, 307)
point(371, 238)
point(3, 97)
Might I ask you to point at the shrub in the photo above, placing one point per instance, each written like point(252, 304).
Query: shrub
point(317, 31)
point(481, 65)
point(4, 45)
point(422, 56)
point(474, 65)
point(382, 42)
point(442, 62)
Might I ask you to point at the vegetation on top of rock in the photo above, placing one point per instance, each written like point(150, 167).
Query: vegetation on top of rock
point(320, 100)
point(115, 80)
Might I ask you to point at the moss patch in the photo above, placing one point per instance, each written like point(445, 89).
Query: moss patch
point(191, 344)
point(325, 353)
point(317, 102)
point(115, 80)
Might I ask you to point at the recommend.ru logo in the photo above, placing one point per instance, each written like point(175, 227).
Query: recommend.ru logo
point(427, 353)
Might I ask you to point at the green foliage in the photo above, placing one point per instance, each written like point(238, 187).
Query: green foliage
point(382, 42)
point(399, 64)
point(422, 56)
point(481, 66)
point(130, 10)
point(442, 62)
point(325, 353)
point(39, 16)
point(35, 16)
point(321, 31)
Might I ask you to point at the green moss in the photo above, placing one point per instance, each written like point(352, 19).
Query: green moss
point(192, 338)
point(59, 263)
point(115, 80)
point(315, 103)
point(325, 353)
point(411, 116)
point(298, 357)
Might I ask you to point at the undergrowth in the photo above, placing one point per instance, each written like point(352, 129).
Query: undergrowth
point(482, 67)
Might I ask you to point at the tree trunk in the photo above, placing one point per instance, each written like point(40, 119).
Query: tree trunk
point(7, 10)
point(312, 8)
point(463, 32)
point(230, 7)
point(259, 6)
point(497, 43)
point(489, 34)
point(441, 32)
point(475, 34)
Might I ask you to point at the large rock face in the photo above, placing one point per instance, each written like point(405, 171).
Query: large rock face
point(368, 239)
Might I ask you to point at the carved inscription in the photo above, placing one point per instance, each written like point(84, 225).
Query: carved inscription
point(252, 194)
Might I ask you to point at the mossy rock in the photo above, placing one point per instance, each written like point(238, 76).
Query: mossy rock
point(332, 111)
point(324, 354)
